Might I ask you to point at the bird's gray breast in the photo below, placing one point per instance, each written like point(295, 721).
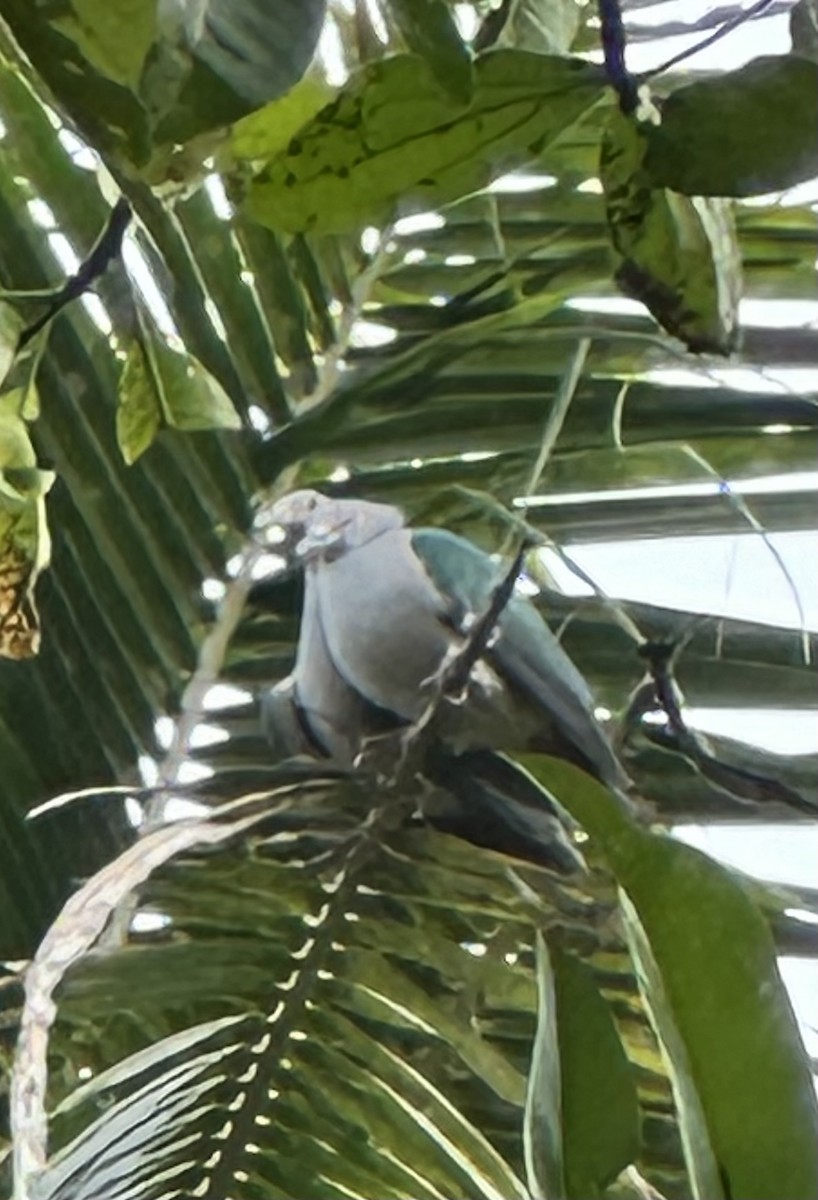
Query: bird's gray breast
point(382, 621)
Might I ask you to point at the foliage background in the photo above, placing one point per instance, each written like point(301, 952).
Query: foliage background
point(427, 363)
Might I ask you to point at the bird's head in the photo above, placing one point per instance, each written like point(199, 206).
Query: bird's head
point(315, 526)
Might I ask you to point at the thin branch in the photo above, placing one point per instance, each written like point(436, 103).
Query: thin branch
point(739, 782)
point(453, 677)
point(107, 248)
point(613, 48)
point(559, 411)
point(734, 23)
point(361, 288)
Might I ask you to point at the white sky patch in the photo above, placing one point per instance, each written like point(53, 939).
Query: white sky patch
point(521, 181)
point(163, 732)
point(148, 770)
point(179, 808)
point(192, 772)
point(149, 922)
point(459, 260)
point(780, 730)
point(719, 574)
point(64, 252)
point(778, 314)
point(268, 565)
point(762, 35)
point(81, 155)
point(331, 53)
point(226, 695)
point(41, 213)
point(419, 223)
point(205, 734)
point(415, 255)
point(467, 20)
point(592, 186)
point(615, 305)
point(213, 590)
point(134, 812)
point(220, 204)
point(139, 271)
point(258, 419)
point(371, 333)
point(370, 240)
point(776, 852)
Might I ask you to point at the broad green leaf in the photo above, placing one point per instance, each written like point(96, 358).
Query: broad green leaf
point(703, 1166)
point(716, 961)
point(677, 254)
point(543, 1127)
point(391, 142)
point(161, 387)
point(10, 328)
point(429, 30)
point(600, 1112)
point(114, 38)
point(266, 132)
point(746, 132)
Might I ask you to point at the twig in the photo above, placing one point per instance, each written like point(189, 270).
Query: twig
point(335, 356)
point(453, 677)
point(722, 31)
point(558, 411)
point(613, 49)
point(107, 248)
point(738, 782)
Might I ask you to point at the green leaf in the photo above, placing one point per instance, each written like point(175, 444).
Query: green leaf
point(714, 955)
point(10, 328)
point(429, 30)
point(677, 254)
point(266, 132)
point(114, 38)
point(600, 1112)
point(25, 545)
point(542, 1130)
point(748, 131)
point(161, 387)
point(392, 142)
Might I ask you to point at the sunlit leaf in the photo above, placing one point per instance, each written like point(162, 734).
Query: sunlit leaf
point(392, 142)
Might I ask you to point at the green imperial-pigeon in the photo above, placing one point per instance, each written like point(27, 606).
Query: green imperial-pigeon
point(384, 608)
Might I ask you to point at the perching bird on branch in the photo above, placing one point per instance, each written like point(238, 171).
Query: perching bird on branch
point(385, 608)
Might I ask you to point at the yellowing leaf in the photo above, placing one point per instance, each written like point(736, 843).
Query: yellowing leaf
point(161, 387)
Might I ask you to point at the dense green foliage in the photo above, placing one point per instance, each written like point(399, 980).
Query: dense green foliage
point(301, 988)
